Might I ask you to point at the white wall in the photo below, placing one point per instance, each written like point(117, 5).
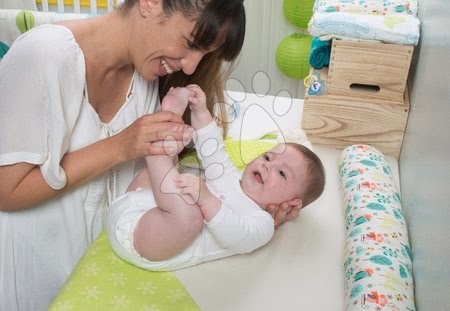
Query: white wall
point(266, 27)
point(425, 159)
point(14, 4)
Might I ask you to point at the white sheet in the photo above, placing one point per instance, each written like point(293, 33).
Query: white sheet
point(300, 269)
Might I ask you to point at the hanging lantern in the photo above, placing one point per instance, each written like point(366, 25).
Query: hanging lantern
point(298, 12)
point(292, 55)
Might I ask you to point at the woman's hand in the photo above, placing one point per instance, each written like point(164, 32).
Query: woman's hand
point(139, 139)
point(89, 162)
point(283, 212)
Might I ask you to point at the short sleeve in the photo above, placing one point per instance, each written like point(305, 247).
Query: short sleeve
point(41, 85)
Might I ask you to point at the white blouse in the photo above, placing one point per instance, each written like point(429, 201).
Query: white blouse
point(44, 114)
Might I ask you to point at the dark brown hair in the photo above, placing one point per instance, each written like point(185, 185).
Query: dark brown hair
point(215, 18)
point(315, 183)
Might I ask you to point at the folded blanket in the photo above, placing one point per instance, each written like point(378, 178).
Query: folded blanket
point(377, 7)
point(320, 53)
point(3, 49)
point(397, 29)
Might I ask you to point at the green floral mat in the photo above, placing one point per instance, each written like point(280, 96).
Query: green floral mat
point(103, 281)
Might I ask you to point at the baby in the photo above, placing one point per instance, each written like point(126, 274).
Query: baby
point(168, 221)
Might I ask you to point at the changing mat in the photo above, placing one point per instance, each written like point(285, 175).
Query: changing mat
point(103, 281)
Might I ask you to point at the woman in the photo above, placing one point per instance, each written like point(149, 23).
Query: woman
point(79, 103)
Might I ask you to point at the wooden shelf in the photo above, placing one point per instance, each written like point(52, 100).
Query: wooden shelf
point(341, 120)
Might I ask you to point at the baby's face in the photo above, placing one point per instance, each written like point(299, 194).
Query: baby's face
point(276, 176)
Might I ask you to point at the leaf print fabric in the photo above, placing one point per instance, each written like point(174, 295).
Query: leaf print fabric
point(378, 263)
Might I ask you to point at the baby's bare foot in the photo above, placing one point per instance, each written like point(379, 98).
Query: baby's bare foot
point(176, 100)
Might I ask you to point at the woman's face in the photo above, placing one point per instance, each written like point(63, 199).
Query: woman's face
point(165, 45)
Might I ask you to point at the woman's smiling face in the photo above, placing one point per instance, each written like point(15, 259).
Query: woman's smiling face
point(276, 176)
point(164, 44)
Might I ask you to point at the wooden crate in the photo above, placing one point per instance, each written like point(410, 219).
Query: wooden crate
point(369, 70)
point(340, 120)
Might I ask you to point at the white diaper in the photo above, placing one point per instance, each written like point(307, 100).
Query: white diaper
point(123, 216)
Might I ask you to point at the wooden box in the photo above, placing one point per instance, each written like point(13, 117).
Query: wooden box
point(369, 70)
point(341, 120)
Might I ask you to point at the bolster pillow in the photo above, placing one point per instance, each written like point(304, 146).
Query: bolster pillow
point(377, 263)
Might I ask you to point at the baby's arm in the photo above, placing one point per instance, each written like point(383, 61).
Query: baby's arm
point(192, 185)
point(242, 233)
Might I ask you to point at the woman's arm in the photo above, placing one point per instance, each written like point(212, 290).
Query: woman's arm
point(23, 185)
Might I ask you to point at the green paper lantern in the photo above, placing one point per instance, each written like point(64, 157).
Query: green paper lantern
point(298, 12)
point(25, 20)
point(292, 55)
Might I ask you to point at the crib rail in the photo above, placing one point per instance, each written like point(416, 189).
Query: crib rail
point(77, 6)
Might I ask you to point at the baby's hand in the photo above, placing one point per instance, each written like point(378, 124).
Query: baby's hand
point(197, 102)
point(200, 115)
point(192, 186)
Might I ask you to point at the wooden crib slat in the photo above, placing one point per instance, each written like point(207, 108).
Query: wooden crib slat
point(61, 6)
point(110, 5)
point(93, 5)
point(45, 5)
point(76, 6)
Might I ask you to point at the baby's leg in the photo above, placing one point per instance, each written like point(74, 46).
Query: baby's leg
point(141, 180)
point(176, 100)
point(167, 230)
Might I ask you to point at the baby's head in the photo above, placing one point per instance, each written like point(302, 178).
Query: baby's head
point(287, 173)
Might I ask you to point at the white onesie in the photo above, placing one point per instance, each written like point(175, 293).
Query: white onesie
point(240, 226)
